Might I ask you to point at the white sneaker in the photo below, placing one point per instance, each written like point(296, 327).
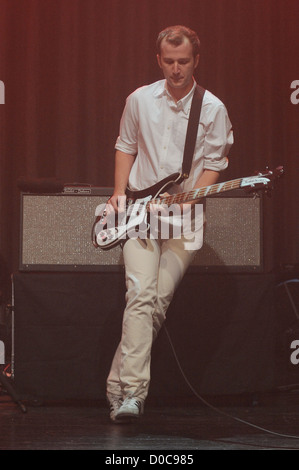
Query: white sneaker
point(115, 403)
point(130, 408)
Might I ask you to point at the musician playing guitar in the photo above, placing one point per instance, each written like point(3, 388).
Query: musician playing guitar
point(149, 148)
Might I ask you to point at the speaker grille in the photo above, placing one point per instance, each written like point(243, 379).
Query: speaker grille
point(56, 234)
point(232, 236)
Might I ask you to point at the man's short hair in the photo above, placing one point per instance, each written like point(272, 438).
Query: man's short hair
point(175, 35)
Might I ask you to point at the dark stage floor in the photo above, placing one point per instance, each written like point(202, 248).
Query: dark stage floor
point(185, 425)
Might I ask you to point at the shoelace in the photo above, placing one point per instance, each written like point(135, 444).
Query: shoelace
point(134, 401)
point(115, 403)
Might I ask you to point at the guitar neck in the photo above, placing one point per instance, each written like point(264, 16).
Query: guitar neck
point(199, 193)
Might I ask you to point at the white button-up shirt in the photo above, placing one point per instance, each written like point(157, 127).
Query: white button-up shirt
point(153, 128)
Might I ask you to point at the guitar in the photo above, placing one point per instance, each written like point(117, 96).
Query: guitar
point(109, 230)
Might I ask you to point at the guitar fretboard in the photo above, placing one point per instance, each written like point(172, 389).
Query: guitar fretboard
point(198, 193)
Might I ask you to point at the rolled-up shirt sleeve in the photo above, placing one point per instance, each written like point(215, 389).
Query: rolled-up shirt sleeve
point(218, 140)
point(127, 141)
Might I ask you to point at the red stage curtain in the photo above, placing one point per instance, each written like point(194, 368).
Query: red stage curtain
point(68, 65)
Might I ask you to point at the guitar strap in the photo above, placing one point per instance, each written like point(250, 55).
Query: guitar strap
point(192, 130)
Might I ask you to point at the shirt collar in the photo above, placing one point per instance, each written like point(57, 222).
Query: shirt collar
point(184, 104)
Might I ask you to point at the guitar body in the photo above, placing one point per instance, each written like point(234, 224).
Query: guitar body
point(156, 189)
point(110, 230)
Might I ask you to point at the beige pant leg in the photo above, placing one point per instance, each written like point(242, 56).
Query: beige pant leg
point(153, 272)
point(175, 260)
point(130, 371)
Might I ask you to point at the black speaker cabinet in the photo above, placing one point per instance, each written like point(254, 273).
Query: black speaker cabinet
point(67, 326)
point(56, 233)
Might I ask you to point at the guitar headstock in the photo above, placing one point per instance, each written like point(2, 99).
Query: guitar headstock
point(272, 174)
point(263, 181)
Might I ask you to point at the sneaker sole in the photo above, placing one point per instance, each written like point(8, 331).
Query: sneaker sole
point(126, 417)
point(122, 421)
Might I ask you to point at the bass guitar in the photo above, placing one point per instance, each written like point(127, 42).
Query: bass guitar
point(109, 230)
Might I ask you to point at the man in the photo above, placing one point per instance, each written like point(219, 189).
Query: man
point(149, 148)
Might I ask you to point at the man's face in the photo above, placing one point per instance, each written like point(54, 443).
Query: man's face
point(178, 64)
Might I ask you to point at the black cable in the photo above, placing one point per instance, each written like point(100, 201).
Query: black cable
point(214, 408)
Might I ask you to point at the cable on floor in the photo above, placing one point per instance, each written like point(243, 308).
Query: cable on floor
point(214, 408)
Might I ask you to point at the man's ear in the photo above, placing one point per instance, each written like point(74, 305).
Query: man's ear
point(196, 60)
point(159, 61)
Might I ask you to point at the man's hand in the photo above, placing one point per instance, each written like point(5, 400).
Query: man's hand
point(117, 203)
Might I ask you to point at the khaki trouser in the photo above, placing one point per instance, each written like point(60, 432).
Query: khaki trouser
point(154, 268)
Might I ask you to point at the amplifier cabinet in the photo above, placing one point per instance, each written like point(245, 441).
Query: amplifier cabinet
point(55, 233)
